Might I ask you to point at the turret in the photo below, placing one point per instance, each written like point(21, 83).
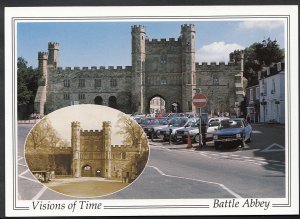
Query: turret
point(75, 143)
point(188, 65)
point(107, 147)
point(138, 61)
point(53, 49)
point(43, 60)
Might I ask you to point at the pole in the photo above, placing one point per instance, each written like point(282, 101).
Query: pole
point(200, 133)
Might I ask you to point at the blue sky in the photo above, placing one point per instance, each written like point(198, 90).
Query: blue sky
point(109, 43)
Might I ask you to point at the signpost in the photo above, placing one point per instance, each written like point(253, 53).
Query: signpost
point(199, 101)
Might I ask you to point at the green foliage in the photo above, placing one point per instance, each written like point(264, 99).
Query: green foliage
point(258, 55)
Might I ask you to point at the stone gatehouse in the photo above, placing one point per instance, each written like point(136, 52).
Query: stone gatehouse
point(160, 68)
point(90, 155)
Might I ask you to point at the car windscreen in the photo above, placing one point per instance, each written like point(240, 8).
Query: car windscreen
point(178, 122)
point(230, 124)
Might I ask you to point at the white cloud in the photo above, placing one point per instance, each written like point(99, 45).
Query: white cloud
point(216, 52)
point(260, 24)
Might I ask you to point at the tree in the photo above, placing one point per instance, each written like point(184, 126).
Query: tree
point(132, 132)
point(258, 55)
point(27, 85)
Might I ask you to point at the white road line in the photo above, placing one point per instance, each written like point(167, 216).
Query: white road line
point(198, 180)
point(40, 193)
point(21, 174)
point(20, 158)
point(33, 180)
point(22, 165)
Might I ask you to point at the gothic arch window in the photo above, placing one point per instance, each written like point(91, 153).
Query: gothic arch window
point(163, 81)
point(66, 83)
point(163, 59)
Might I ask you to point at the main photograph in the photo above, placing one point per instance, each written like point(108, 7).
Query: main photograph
point(230, 146)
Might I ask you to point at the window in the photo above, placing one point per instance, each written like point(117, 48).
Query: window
point(251, 94)
point(123, 155)
point(113, 82)
point(81, 83)
point(268, 70)
point(81, 96)
point(66, 96)
point(257, 93)
point(215, 80)
point(66, 83)
point(279, 66)
point(97, 82)
point(163, 59)
point(273, 86)
point(163, 81)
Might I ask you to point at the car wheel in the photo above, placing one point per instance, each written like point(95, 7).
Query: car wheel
point(197, 138)
point(217, 146)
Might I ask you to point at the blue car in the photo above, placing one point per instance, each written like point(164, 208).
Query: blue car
point(232, 132)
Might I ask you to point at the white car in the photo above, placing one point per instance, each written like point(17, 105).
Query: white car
point(212, 126)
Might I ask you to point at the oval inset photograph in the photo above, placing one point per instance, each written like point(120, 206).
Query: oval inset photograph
point(86, 150)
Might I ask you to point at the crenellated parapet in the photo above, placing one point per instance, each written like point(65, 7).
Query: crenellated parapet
point(163, 40)
point(187, 27)
point(53, 45)
point(95, 68)
point(138, 28)
point(90, 133)
point(217, 67)
point(43, 55)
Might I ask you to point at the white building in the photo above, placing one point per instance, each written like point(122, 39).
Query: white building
point(272, 94)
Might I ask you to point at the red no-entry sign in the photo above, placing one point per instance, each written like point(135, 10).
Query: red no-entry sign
point(199, 100)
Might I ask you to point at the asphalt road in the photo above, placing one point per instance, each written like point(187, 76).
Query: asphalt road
point(173, 171)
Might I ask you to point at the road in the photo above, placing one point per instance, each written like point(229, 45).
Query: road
point(173, 171)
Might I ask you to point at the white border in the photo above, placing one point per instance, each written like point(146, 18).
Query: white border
point(164, 12)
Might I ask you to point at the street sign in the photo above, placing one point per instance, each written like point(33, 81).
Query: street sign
point(199, 100)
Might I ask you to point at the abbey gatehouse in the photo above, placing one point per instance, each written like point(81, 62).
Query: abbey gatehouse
point(163, 68)
point(91, 155)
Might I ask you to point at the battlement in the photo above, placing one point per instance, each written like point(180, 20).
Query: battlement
point(90, 132)
point(43, 55)
point(137, 28)
point(221, 65)
point(53, 45)
point(75, 124)
point(95, 68)
point(187, 27)
point(162, 40)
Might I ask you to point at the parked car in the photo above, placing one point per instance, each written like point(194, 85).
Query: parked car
point(192, 129)
point(148, 124)
point(212, 126)
point(175, 123)
point(232, 132)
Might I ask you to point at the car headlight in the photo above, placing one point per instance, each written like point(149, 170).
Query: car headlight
point(185, 133)
point(215, 137)
point(238, 135)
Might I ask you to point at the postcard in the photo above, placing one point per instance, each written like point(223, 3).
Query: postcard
point(151, 110)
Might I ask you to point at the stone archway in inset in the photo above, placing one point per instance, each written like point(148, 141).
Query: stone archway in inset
point(98, 100)
point(112, 102)
point(87, 171)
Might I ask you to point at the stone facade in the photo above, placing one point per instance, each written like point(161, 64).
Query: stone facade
point(160, 68)
point(93, 154)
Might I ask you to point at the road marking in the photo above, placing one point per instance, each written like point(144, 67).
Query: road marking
point(20, 158)
point(22, 165)
point(274, 147)
point(256, 132)
point(198, 180)
point(40, 193)
point(24, 177)
point(21, 174)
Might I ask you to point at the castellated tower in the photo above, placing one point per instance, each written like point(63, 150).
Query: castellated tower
point(41, 94)
point(138, 69)
point(107, 147)
point(75, 143)
point(188, 66)
point(53, 49)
